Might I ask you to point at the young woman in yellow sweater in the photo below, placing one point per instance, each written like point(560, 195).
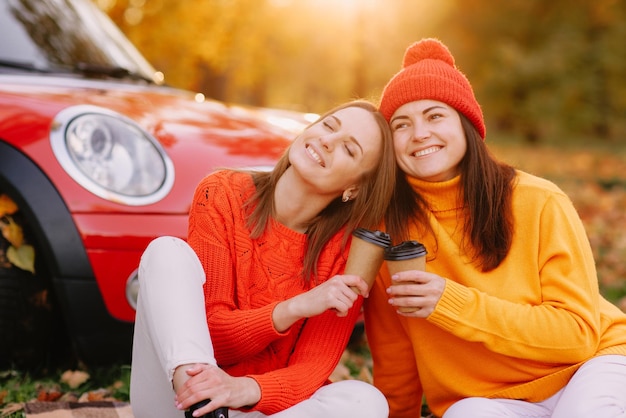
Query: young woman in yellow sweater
point(508, 320)
point(276, 312)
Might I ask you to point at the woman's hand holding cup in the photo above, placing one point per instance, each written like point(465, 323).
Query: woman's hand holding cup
point(415, 292)
point(406, 263)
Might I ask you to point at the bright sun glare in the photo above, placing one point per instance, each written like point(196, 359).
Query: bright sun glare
point(348, 4)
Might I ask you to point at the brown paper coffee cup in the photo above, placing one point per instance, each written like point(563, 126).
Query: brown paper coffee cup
point(408, 255)
point(366, 254)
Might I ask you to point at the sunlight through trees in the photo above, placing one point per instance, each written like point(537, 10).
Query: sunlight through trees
point(539, 69)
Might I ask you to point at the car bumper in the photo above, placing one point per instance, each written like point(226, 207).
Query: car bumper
point(114, 244)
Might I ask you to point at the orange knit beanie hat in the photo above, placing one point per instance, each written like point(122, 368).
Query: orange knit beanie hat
point(428, 72)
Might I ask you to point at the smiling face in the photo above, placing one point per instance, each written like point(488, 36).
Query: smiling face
point(333, 154)
point(428, 139)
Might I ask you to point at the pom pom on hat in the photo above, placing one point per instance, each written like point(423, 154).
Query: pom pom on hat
point(428, 72)
point(427, 49)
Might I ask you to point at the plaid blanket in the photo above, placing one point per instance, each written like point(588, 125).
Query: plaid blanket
point(100, 409)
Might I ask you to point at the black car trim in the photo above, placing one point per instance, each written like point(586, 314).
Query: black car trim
point(95, 333)
point(41, 203)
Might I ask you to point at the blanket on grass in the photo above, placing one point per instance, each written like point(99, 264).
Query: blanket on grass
point(100, 409)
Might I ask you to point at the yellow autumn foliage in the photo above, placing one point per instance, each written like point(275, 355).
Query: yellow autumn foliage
point(18, 253)
point(7, 206)
point(12, 232)
point(22, 257)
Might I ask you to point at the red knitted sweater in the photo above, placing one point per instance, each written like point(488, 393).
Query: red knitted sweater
point(246, 278)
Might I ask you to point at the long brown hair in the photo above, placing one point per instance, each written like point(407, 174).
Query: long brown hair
point(487, 187)
point(367, 210)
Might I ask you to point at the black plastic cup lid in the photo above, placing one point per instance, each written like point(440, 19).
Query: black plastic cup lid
point(405, 251)
point(379, 238)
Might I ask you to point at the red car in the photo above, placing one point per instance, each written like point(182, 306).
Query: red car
point(96, 159)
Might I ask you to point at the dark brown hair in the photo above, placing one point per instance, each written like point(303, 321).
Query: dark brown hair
point(487, 187)
point(367, 210)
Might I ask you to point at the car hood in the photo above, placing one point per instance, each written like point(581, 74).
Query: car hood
point(198, 135)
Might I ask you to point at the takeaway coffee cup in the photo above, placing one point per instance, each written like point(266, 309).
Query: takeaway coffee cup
point(408, 255)
point(366, 254)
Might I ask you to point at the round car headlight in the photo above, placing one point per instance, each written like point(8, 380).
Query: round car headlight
point(111, 156)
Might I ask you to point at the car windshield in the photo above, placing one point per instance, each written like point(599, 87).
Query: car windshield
point(63, 36)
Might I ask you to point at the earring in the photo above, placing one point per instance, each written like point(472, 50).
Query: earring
point(345, 197)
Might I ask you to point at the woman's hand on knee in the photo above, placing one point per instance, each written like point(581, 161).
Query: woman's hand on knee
point(210, 382)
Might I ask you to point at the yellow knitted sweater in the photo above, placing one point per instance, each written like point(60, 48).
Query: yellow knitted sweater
point(519, 331)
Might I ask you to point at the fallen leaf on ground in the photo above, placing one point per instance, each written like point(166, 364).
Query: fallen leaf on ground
point(96, 396)
point(11, 409)
point(341, 372)
point(74, 378)
point(49, 395)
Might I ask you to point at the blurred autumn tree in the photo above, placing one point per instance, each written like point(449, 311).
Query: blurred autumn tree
point(303, 54)
point(546, 69)
point(542, 70)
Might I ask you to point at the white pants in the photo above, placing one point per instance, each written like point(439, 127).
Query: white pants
point(171, 330)
point(597, 390)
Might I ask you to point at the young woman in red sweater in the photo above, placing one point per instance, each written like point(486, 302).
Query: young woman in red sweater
point(276, 311)
point(508, 318)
